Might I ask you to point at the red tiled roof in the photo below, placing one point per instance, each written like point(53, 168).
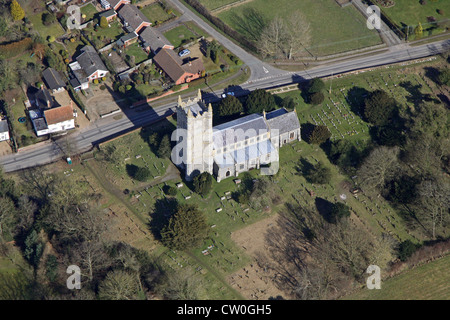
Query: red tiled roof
point(59, 114)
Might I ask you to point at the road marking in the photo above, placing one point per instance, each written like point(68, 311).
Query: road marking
point(265, 70)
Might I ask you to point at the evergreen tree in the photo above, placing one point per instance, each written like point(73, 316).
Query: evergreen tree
point(319, 135)
point(259, 100)
point(17, 12)
point(165, 148)
point(186, 229)
point(202, 183)
point(230, 106)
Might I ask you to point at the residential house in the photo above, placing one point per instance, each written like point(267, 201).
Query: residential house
point(113, 4)
point(53, 80)
point(153, 40)
point(87, 67)
point(59, 119)
point(108, 14)
point(127, 39)
point(133, 19)
point(178, 70)
point(52, 120)
point(4, 130)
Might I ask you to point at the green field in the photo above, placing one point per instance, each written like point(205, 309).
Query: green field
point(54, 29)
point(426, 282)
point(408, 12)
point(333, 29)
point(136, 51)
point(89, 10)
point(178, 35)
point(155, 13)
point(214, 4)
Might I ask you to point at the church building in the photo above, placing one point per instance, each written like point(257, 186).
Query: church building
point(228, 149)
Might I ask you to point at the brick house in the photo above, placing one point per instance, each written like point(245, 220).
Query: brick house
point(178, 70)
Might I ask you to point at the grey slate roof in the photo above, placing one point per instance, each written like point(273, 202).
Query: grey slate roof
point(133, 16)
point(4, 126)
point(90, 62)
point(125, 38)
point(53, 79)
point(154, 39)
point(239, 130)
point(283, 121)
point(108, 13)
point(40, 124)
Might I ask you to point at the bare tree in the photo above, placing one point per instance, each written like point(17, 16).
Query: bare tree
point(288, 36)
point(119, 285)
point(297, 36)
point(433, 204)
point(377, 167)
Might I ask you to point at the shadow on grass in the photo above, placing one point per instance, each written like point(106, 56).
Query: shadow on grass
point(159, 218)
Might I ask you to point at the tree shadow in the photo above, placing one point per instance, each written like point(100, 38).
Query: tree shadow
point(306, 129)
point(432, 74)
point(304, 167)
point(324, 207)
point(416, 96)
point(251, 23)
point(355, 98)
point(159, 218)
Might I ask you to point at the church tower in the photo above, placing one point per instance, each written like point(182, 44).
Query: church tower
point(195, 136)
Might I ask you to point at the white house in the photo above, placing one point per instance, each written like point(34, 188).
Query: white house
point(87, 67)
point(59, 119)
point(4, 130)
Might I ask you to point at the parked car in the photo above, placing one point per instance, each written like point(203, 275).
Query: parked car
point(224, 95)
point(184, 52)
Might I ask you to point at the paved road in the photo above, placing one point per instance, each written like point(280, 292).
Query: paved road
point(83, 140)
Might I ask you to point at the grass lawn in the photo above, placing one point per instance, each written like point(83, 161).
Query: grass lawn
point(407, 12)
point(333, 29)
point(136, 51)
point(54, 29)
point(177, 36)
point(25, 128)
point(214, 4)
point(89, 10)
point(155, 13)
point(426, 282)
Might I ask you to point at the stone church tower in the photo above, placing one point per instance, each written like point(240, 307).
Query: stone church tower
point(195, 136)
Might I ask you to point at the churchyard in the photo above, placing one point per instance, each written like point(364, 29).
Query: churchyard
point(229, 259)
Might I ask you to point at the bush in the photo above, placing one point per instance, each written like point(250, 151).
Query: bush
point(95, 81)
point(170, 190)
point(319, 135)
point(406, 249)
point(48, 18)
point(317, 98)
point(203, 183)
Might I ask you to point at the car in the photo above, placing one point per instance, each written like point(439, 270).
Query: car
point(228, 93)
point(184, 52)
